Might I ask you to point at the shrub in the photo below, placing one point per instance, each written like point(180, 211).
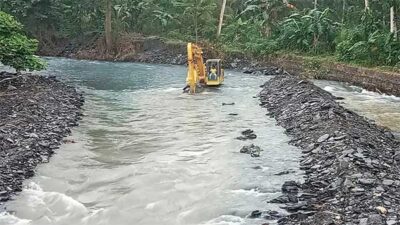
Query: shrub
point(16, 49)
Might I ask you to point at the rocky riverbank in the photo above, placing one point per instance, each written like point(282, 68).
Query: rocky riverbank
point(36, 113)
point(351, 166)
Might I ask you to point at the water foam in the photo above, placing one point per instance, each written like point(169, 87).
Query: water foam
point(39, 206)
point(226, 220)
point(8, 219)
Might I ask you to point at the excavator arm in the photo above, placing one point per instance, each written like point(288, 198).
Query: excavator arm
point(196, 68)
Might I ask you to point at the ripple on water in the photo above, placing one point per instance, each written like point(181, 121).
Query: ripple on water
point(148, 154)
point(384, 109)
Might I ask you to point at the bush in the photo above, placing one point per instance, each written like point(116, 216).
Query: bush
point(376, 48)
point(313, 32)
point(16, 50)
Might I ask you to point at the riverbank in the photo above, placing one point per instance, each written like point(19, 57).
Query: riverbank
point(36, 114)
point(351, 166)
point(138, 48)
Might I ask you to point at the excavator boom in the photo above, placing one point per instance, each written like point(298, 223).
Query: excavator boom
point(196, 68)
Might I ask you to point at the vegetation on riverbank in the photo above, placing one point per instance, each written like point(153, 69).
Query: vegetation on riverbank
point(16, 49)
point(361, 32)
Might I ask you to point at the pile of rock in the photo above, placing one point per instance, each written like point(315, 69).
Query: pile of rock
point(36, 112)
point(247, 134)
point(252, 150)
point(264, 71)
point(352, 170)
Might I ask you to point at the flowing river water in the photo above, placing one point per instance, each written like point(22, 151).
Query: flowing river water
point(147, 154)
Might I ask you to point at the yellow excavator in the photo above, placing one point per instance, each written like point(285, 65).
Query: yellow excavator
point(202, 75)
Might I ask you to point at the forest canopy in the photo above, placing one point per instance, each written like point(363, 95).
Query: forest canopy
point(361, 31)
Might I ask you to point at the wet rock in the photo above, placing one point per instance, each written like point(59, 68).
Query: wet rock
point(381, 210)
point(387, 182)
point(323, 138)
point(253, 150)
point(284, 172)
point(294, 207)
point(255, 214)
point(11, 88)
point(272, 215)
point(288, 198)
point(290, 187)
point(366, 181)
point(247, 134)
point(375, 219)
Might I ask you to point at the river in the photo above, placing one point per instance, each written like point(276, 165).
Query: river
point(147, 154)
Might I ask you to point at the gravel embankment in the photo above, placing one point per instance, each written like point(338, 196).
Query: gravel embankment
point(36, 113)
point(351, 166)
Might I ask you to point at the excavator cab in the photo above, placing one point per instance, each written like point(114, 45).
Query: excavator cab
point(215, 73)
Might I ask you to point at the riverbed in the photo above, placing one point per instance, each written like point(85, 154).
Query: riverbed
point(145, 153)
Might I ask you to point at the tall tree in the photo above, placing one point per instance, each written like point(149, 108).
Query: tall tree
point(108, 26)
point(393, 27)
point(366, 4)
point(221, 17)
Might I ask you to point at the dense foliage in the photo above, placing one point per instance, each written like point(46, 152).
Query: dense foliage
point(16, 49)
point(357, 30)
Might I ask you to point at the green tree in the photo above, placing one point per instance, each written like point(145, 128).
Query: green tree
point(16, 49)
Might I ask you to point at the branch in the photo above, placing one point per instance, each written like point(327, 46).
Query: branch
point(10, 78)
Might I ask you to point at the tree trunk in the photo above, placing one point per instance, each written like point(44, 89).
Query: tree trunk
point(393, 27)
point(366, 4)
point(107, 26)
point(315, 4)
point(343, 11)
point(221, 17)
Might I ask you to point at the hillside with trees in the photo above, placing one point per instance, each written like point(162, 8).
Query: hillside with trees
point(361, 31)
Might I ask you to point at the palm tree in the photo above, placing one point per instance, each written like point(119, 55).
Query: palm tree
point(221, 18)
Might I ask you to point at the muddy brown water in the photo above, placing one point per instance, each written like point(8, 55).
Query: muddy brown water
point(146, 154)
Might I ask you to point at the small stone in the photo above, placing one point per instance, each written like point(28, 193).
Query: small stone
point(363, 221)
point(380, 189)
point(33, 135)
point(290, 187)
point(323, 138)
point(381, 210)
point(375, 219)
point(357, 189)
point(284, 172)
point(366, 181)
point(359, 155)
point(387, 182)
point(11, 88)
